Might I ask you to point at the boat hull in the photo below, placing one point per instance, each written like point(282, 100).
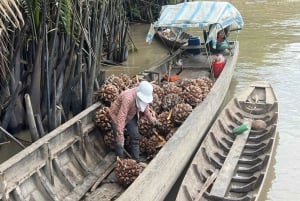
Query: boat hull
point(172, 41)
point(232, 163)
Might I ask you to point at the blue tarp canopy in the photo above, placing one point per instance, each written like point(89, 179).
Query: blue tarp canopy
point(198, 14)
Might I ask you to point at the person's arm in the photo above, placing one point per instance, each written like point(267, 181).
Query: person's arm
point(149, 115)
point(121, 118)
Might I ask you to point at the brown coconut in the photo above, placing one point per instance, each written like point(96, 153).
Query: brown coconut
point(259, 125)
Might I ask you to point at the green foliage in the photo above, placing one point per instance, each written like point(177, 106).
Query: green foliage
point(66, 15)
point(135, 11)
point(32, 10)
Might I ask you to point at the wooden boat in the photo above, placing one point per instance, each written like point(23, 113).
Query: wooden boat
point(68, 162)
point(231, 166)
point(169, 38)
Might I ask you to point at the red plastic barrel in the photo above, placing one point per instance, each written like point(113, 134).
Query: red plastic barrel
point(217, 68)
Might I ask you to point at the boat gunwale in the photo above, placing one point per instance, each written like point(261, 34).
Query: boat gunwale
point(47, 138)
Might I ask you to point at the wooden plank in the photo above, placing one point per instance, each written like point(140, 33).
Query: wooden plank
point(223, 180)
point(102, 176)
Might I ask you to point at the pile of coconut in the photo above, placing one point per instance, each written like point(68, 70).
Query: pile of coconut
point(172, 104)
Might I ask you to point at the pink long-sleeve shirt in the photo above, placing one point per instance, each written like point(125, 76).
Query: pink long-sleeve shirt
point(123, 109)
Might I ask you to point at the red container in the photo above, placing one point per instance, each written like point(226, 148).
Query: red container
point(217, 68)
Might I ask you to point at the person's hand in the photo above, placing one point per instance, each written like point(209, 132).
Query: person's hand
point(119, 149)
point(120, 140)
point(120, 143)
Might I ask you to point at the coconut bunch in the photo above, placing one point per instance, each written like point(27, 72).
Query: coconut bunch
point(205, 84)
point(116, 81)
point(102, 119)
point(146, 147)
point(192, 95)
point(156, 104)
point(145, 126)
point(171, 88)
point(166, 122)
point(205, 91)
point(109, 139)
point(185, 83)
point(181, 112)
point(158, 90)
point(170, 100)
point(135, 81)
point(108, 93)
point(151, 145)
point(209, 82)
point(127, 170)
point(126, 79)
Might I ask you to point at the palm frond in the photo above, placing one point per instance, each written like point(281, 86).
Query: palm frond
point(32, 10)
point(11, 13)
point(4, 70)
point(66, 15)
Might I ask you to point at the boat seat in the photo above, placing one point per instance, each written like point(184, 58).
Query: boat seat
point(151, 75)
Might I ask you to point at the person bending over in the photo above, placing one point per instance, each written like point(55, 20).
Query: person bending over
point(124, 113)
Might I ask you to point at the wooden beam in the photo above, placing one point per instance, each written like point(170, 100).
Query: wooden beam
point(103, 176)
point(223, 180)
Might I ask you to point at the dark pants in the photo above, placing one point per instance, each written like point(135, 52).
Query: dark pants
point(133, 131)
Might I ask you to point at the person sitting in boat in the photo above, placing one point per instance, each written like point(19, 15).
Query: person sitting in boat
point(222, 45)
point(125, 111)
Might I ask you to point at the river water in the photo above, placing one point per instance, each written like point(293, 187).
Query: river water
point(269, 50)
